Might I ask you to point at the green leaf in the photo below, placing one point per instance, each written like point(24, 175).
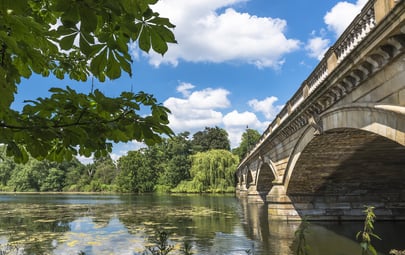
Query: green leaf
point(88, 20)
point(166, 34)
point(158, 43)
point(66, 42)
point(99, 63)
point(125, 64)
point(70, 16)
point(372, 249)
point(144, 39)
point(22, 67)
point(84, 45)
point(161, 21)
point(113, 68)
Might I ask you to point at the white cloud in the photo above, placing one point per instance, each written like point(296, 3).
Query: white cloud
point(85, 160)
point(205, 34)
point(198, 109)
point(185, 88)
point(341, 15)
point(205, 108)
point(317, 47)
point(235, 124)
point(266, 106)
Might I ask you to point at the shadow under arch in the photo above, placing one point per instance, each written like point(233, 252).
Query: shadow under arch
point(384, 120)
point(249, 178)
point(266, 175)
point(356, 160)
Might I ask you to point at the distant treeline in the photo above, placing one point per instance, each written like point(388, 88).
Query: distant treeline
point(203, 163)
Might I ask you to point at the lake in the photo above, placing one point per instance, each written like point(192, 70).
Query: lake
point(90, 224)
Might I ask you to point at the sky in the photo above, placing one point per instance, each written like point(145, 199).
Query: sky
point(236, 63)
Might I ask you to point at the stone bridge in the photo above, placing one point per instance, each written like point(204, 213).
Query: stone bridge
point(339, 142)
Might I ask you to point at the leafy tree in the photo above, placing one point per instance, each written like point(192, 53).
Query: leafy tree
point(177, 166)
point(136, 172)
point(54, 181)
point(6, 167)
point(28, 177)
point(211, 171)
point(249, 139)
point(105, 170)
point(77, 39)
point(209, 139)
point(75, 174)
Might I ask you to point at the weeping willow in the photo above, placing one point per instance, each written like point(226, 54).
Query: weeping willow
point(211, 171)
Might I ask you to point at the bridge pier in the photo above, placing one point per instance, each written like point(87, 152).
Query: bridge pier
point(280, 206)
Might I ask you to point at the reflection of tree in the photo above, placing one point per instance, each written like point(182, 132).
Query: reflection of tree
point(33, 229)
point(38, 222)
point(35, 226)
point(198, 217)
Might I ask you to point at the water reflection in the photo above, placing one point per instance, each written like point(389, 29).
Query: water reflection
point(115, 224)
point(332, 238)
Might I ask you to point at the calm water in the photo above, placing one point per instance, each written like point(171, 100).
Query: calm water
point(123, 224)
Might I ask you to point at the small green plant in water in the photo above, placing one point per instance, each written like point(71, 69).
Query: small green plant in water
point(300, 245)
point(368, 232)
point(162, 244)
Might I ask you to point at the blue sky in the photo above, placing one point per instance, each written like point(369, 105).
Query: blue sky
point(235, 65)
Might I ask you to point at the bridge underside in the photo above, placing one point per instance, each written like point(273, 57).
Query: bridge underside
point(341, 171)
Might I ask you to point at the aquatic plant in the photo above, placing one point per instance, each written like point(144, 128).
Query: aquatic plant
point(368, 232)
point(162, 244)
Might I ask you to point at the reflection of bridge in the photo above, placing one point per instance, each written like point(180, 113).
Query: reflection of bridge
point(339, 143)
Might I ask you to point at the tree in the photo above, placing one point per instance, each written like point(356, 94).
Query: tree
point(249, 139)
point(105, 170)
point(54, 181)
point(210, 138)
point(177, 164)
point(77, 39)
point(137, 171)
point(211, 171)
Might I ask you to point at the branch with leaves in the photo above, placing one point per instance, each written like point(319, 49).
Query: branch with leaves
point(77, 39)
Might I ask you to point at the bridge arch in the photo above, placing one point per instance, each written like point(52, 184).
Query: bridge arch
point(383, 120)
point(362, 161)
point(266, 175)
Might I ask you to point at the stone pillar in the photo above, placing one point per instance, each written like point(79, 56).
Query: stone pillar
point(331, 59)
point(382, 8)
point(280, 206)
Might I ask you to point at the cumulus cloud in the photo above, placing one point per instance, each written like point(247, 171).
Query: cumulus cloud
point(235, 124)
point(212, 31)
point(266, 107)
point(185, 88)
point(317, 47)
point(197, 109)
point(341, 15)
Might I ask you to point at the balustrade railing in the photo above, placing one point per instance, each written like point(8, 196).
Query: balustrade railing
point(355, 32)
point(358, 29)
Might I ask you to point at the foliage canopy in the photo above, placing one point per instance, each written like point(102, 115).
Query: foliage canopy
point(211, 138)
point(249, 139)
point(77, 39)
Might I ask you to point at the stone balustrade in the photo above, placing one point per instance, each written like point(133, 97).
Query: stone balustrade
point(364, 22)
